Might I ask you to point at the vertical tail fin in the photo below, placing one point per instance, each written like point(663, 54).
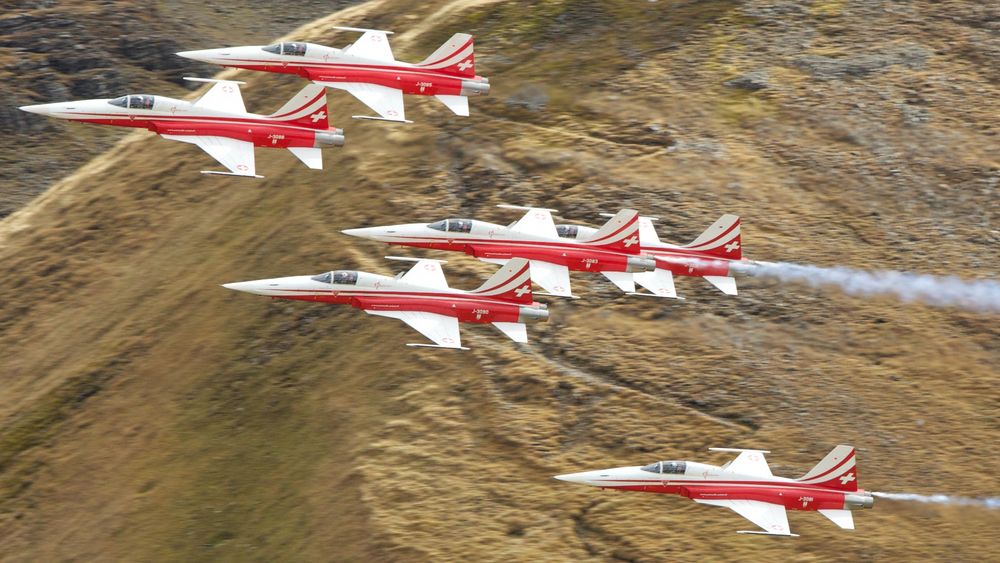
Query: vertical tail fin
point(837, 470)
point(455, 56)
point(722, 239)
point(307, 108)
point(620, 233)
point(647, 232)
point(512, 282)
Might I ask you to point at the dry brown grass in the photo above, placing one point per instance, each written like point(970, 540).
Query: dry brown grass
point(150, 414)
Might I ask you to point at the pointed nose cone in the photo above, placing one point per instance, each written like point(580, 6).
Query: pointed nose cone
point(194, 55)
point(217, 56)
point(41, 109)
point(247, 286)
point(361, 233)
point(572, 477)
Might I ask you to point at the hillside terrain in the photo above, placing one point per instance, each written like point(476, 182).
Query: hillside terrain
point(78, 49)
point(151, 415)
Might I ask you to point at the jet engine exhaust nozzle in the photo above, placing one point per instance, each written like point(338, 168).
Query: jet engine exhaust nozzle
point(858, 501)
point(526, 314)
point(636, 264)
point(475, 88)
point(333, 137)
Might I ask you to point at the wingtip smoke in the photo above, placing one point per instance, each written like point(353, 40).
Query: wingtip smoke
point(987, 502)
point(982, 296)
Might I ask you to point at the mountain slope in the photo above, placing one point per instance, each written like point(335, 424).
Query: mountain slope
point(149, 414)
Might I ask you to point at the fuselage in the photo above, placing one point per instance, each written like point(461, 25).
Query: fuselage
point(492, 242)
point(331, 65)
point(684, 262)
point(699, 481)
point(677, 259)
point(169, 116)
point(375, 292)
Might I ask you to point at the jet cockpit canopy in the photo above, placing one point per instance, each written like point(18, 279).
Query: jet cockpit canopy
point(342, 277)
point(287, 48)
point(670, 467)
point(140, 101)
point(452, 225)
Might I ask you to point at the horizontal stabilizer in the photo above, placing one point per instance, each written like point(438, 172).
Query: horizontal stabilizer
point(457, 104)
point(437, 346)
point(310, 156)
point(623, 280)
point(766, 533)
point(373, 118)
point(217, 173)
point(659, 281)
point(725, 284)
point(842, 518)
point(517, 332)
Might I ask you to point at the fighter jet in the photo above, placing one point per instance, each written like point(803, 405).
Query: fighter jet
point(420, 298)
point(217, 122)
point(746, 486)
point(715, 255)
point(612, 250)
point(367, 69)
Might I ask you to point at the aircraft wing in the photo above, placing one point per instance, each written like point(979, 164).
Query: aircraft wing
point(426, 273)
point(536, 222)
point(552, 277)
point(439, 328)
point(385, 101)
point(223, 96)
point(235, 155)
point(770, 517)
point(749, 462)
point(373, 44)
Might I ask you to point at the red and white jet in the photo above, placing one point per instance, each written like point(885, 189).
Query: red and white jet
point(746, 486)
point(217, 122)
point(420, 298)
point(367, 69)
point(715, 255)
point(612, 250)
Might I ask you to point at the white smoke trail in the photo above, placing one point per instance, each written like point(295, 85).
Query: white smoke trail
point(943, 291)
point(986, 502)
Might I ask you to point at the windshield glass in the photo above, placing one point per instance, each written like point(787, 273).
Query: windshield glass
point(296, 49)
point(345, 277)
point(323, 278)
point(276, 48)
point(459, 225)
point(675, 467)
point(140, 102)
point(121, 102)
point(567, 231)
point(438, 226)
point(671, 467)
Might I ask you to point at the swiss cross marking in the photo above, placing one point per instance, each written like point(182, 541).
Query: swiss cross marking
point(634, 239)
point(732, 246)
point(227, 89)
point(522, 290)
point(465, 64)
point(847, 478)
point(317, 116)
point(242, 167)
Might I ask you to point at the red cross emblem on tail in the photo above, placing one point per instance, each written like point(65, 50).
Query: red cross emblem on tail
point(634, 239)
point(522, 290)
point(847, 478)
point(317, 116)
point(732, 246)
point(464, 64)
